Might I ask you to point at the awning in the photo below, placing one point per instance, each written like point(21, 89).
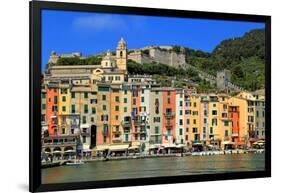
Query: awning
point(134, 147)
point(253, 139)
point(57, 151)
point(240, 143)
point(227, 143)
point(259, 142)
point(70, 151)
point(102, 147)
point(197, 143)
point(169, 145)
point(87, 150)
point(84, 126)
point(118, 147)
point(180, 146)
point(152, 147)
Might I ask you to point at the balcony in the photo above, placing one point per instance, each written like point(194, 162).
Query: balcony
point(126, 123)
point(117, 139)
point(105, 132)
point(168, 124)
point(169, 115)
point(116, 131)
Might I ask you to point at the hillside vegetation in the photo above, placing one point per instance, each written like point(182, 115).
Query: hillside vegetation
point(243, 56)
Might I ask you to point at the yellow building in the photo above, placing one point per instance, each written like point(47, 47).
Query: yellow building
point(115, 115)
point(246, 103)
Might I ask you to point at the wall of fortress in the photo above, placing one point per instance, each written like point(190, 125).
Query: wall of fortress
point(158, 56)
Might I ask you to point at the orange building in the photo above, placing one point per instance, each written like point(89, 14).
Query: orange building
point(233, 114)
point(52, 109)
point(169, 121)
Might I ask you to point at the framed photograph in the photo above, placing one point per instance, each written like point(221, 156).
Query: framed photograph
point(126, 96)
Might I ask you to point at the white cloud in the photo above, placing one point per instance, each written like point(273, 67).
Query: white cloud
point(99, 22)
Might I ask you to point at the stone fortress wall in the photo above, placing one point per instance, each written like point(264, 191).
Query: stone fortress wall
point(158, 54)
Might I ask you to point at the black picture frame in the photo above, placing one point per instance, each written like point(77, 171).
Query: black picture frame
point(35, 184)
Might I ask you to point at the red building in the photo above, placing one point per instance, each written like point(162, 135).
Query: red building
point(52, 110)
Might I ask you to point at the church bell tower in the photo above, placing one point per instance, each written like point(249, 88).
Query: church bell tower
point(121, 55)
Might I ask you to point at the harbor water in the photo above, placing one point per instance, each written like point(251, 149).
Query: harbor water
point(154, 167)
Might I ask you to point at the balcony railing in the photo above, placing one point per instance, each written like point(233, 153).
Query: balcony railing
point(169, 115)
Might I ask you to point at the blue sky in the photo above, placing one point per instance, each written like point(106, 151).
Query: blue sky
point(92, 33)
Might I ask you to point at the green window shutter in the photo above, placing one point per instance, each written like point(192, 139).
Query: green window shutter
point(73, 108)
point(43, 106)
point(103, 97)
point(73, 95)
point(85, 108)
point(180, 131)
point(104, 107)
point(85, 95)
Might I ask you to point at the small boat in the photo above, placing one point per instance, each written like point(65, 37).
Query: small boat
point(75, 162)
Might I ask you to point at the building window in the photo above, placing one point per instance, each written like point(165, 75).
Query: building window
point(103, 97)
point(63, 98)
point(43, 95)
point(125, 92)
point(134, 101)
point(125, 100)
point(63, 108)
point(136, 137)
point(226, 123)
point(214, 112)
point(116, 117)
point(73, 95)
point(211, 130)
point(169, 93)
point(43, 106)
point(168, 100)
point(86, 109)
point(186, 137)
point(156, 139)
point(156, 119)
point(142, 91)
point(180, 131)
point(181, 122)
point(63, 131)
point(93, 110)
point(187, 121)
point(85, 95)
point(104, 107)
point(84, 120)
point(125, 109)
point(156, 130)
point(72, 108)
point(194, 104)
point(117, 99)
point(214, 122)
point(116, 108)
point(181, 103)
point(194, 121)
point(194, 130)
point(92, 119)
point(187, 130)
point(55, 99)
point(226, 133)
point(142, 99)
point(104, 139)
point(257, 113)
point(205, 120)
point(180, 112)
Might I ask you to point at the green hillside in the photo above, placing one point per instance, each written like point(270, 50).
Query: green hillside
point(243, 56)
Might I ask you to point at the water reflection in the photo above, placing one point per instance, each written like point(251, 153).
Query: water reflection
point(140, 168)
